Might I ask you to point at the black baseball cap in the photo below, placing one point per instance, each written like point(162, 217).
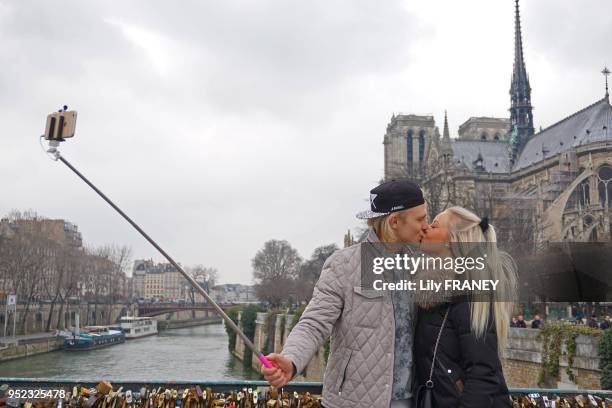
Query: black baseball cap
point(392, 196)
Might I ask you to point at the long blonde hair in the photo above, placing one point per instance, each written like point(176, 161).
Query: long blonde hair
point(465, 232)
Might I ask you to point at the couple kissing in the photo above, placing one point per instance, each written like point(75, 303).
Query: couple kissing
point(403, 348)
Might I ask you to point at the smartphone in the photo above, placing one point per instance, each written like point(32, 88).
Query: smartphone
point(60, 125)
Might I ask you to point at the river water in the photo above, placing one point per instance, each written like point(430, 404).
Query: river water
point(190, 354)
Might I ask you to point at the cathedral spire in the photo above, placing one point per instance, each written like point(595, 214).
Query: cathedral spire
point(606, 72)
point(519, 72)
point(446, 133)
point(445, 144)
point(521, 116)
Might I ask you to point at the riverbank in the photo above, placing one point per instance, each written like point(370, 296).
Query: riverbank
point(30, 346)
point(163, 325)
point(189, 354)
point(40, 343)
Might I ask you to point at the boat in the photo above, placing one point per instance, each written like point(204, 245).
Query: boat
point(135, 327)
point(93, 337)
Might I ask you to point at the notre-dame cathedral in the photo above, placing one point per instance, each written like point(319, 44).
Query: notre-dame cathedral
point(553, 185)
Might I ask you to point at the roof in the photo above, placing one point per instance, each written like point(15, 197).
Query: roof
point(494, 154)
point(485, 120)
point(591, 124)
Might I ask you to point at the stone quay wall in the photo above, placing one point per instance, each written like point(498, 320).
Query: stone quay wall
point(90, 314)
point(523, 357)
point(276, 336)
point(521, 362)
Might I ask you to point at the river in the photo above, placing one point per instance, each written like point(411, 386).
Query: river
point(190, 354)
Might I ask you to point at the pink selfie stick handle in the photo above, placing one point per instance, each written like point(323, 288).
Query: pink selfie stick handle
point(265, 361)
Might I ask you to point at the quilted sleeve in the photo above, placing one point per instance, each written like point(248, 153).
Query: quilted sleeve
point(319, 317)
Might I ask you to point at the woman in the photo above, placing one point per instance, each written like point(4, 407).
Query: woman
point(467, 370)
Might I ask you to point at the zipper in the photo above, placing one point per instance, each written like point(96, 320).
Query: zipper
point(344, 373)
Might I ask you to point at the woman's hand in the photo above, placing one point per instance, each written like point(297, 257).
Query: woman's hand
point(279, 375)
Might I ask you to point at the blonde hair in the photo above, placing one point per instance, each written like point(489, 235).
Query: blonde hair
point(467, 235)
point(383, 230)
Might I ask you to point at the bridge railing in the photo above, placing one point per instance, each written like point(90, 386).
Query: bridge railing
point(314, 388)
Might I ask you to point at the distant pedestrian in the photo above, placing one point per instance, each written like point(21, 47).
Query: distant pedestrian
point(513, 322)
point(605, 325)
point(521, 322)
point(593, 322)
point(536, 322)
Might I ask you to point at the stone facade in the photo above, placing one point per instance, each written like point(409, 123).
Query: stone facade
point(59, 231)
point(521, 362)
point(523, 356)
point(161, 280)
point(31, 347)
point(62, 318)
point(408, 142)
point(313, 371)
point(484, 128)
point(557, 182)
point(90, 314)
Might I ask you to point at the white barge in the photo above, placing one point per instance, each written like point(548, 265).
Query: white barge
point(136, 327)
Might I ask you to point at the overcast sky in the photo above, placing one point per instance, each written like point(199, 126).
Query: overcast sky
point(218, 125)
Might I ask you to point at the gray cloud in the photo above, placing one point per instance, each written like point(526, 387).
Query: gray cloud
point(219, 125)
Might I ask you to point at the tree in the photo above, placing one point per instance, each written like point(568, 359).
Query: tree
point(203, 273)
point(206, 277)
point(275, 269)
point(311, 270)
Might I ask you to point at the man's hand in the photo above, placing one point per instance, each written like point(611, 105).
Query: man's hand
point(282, 371)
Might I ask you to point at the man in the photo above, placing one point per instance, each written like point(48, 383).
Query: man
point(521, 322)
point(370, 364)
point(536, 322)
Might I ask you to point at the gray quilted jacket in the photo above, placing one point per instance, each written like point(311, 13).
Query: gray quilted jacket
point(359, 370)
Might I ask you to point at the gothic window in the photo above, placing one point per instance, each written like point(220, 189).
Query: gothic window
point(604, 184)
point(421, 145)
point(584, 191)
point(483, 136)
point(580, 196)
point(409, 146)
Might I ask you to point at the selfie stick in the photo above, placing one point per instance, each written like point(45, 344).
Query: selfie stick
point(55, 155)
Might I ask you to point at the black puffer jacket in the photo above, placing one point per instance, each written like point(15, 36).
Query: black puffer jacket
point(468, 372)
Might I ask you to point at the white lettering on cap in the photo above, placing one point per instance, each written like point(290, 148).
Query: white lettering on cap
point(372, 197)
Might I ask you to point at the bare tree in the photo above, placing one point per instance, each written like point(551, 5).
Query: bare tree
point(71, 261)
point(310, 271)
point(117, 259)
point(206, 275)
point(275, 269)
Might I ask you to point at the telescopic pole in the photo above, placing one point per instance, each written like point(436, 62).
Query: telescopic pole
point(57, 156)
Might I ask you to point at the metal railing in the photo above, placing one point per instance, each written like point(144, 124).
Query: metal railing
point(229, 385)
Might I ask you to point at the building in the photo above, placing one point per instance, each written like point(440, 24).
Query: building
point(59, 231)
point(556, 183)
point(234, 293)
point(162, 281)
point(138, 276)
